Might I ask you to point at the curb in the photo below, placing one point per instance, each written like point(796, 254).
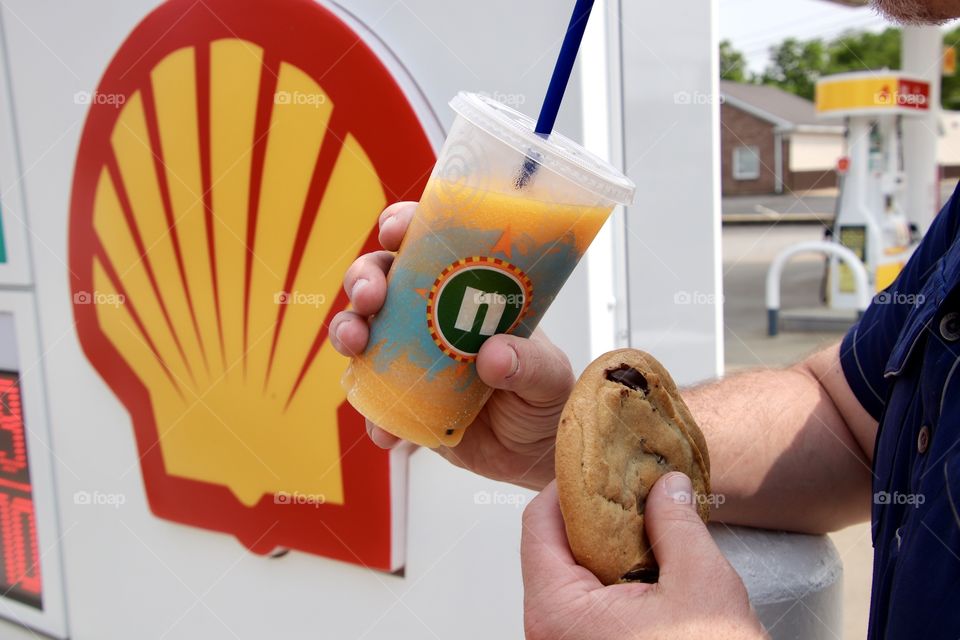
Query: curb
point(825, 219)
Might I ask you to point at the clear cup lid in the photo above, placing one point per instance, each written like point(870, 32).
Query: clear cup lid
point(556, 152)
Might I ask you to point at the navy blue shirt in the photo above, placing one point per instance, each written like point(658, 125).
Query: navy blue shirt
point(901, 360)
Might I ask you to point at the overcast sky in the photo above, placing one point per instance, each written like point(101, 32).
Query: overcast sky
point(755, 25)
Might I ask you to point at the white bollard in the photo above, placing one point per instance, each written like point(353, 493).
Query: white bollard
point(794, 580)
point(860, 278)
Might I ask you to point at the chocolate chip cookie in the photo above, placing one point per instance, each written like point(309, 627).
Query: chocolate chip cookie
point(624, 426)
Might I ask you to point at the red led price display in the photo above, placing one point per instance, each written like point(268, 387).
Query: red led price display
point(19, 556)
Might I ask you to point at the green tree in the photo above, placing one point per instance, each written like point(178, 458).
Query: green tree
point(950, 88)
point(733, 64)
point(864, 50)
point(795, 66)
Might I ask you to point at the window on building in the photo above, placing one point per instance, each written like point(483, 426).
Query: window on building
point(746, 162)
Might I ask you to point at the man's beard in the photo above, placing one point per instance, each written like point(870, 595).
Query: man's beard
point(916, 11)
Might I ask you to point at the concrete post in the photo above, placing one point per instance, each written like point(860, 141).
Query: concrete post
point(794, 581)
point(921, 55)
point(668, 93)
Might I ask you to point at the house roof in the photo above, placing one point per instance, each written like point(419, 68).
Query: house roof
point(785, 110)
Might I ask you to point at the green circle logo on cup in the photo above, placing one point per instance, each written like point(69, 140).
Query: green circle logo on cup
point(473, 299)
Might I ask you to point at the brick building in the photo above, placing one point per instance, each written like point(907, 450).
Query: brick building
point(948, 151)
point(771, 142)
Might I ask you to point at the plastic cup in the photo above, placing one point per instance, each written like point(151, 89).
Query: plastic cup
point(503, 221)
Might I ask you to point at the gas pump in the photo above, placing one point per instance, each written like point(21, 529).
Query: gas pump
point(871, 220)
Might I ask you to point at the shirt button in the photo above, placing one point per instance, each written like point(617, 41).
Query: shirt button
point(923, 439)
point(950, 327)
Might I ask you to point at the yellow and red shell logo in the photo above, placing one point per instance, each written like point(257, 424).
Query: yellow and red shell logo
point(237, 168)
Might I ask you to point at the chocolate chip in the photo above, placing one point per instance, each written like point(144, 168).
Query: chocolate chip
point(642, 574)
point(641, 504)
point(628, 377)
point(449, 432)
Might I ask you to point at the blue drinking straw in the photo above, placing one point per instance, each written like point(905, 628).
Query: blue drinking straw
point(563, 68)
point(558, 82)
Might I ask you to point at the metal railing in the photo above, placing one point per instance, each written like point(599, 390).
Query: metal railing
point(860, 279)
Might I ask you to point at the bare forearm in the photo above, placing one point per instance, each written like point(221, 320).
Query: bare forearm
point(781, 450)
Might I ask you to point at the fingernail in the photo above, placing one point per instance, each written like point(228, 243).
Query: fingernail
point(678, 488)
point(514, 362)
point(386, 223)
point(359, 284)
point(339, 331)
point(375, 436)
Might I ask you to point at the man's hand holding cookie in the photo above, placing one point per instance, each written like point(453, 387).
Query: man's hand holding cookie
point(698, 594)
point(514, 437)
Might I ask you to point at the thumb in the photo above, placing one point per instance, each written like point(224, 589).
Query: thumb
point(533, 368)
point(681, 543)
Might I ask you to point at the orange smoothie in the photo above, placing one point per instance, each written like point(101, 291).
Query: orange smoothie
point(474, 262)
